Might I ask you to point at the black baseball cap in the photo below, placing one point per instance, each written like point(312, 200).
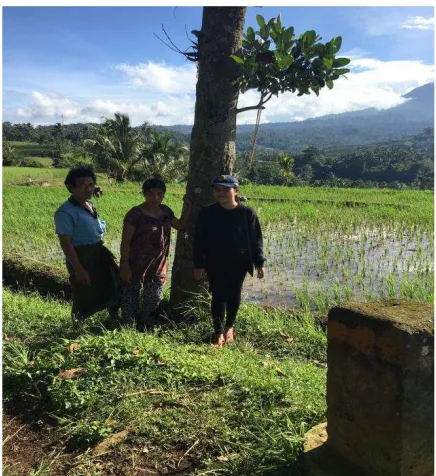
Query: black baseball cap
point(226, 181)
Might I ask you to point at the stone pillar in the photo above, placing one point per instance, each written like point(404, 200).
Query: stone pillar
point(380, 384)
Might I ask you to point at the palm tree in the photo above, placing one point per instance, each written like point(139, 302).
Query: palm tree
point(165, 157)
point(117, 147)
point(286, 163)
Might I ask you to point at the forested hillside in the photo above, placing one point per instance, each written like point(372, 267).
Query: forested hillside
point(369, 148)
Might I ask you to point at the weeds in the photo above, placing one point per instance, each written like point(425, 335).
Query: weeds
point(184, 405)
point(169, 390)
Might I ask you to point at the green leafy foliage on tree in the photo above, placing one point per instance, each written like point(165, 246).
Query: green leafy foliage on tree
point(115, 146)
point(385, 165)
point(286, 163)
point(11, 155)
point(273, 60)
point(165, 157)
point(129, 153)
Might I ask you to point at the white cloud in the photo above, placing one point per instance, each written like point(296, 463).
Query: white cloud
point(47, 107)
point(355, 53)
point(419, 23)
point(161, 77)
point(383, 21)
point(371, 83)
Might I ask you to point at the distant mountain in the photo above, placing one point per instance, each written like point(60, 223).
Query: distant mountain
point(178, 129)
point(362, 127)
point(424, 93)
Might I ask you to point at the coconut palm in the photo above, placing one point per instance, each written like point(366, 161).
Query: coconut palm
point(163, 156)
point(116, 146)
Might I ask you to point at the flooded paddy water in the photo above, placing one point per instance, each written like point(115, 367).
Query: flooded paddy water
point(317, 254)
point(313, 268)
point(308, 269)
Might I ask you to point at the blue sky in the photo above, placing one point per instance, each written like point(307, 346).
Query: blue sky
point(85, 63)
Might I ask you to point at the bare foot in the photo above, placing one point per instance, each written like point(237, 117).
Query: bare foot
point(219, 340)
point(229, 336)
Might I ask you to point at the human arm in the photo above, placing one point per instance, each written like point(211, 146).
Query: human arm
point(180, 223)
point(80, 273)
point(256, 243)
point(125, 271)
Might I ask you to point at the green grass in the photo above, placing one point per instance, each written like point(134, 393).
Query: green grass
point(22, 174)
point(360, 252)
point(407, 197)
point(45, 162)
point(414, 198)
point(41, 202)
point(32, 149)
point(243, 410)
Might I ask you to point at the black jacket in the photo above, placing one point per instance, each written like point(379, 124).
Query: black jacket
point(226, 239)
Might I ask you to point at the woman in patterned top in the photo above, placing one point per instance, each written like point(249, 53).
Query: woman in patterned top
point(145, 246)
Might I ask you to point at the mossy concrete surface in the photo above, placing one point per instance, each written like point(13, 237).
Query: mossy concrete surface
point(411, 316)
point(380, 386)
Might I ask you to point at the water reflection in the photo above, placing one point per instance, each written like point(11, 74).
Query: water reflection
point(304, 266)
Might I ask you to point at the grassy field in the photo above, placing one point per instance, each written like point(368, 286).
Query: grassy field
point(44, 161)
point(195, 410)
point(14, 175)
point(32, 149)
point(177, 405)
point(318, 252)
point(417, 199)
point(40, 153)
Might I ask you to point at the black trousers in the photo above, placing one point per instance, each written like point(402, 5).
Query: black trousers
point(225, 287)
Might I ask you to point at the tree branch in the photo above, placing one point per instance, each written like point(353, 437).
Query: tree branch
point(249, 108)
point(189, 55)
point(258, 106)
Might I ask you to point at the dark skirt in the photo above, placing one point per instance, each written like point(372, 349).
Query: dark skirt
point(105, 289)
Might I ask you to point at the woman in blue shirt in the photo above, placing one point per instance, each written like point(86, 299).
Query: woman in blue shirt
point(94, 275)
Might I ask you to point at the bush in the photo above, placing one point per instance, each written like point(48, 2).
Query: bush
point(69, 160)
point(28, 162)
point(10, 155)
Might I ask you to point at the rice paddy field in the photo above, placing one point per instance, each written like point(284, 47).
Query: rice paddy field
point(40, 153)
point(322, 245)
point(89, 401)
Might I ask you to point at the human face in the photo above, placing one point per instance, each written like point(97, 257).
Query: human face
point(224, 195)
point(83, 188)
point(154, 196)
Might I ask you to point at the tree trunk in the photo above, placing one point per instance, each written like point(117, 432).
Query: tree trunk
point(213, 149)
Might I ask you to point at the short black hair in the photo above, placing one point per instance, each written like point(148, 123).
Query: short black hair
point(79, 172)
point(155, 182)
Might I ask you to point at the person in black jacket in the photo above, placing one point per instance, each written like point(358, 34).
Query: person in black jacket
point(227, 244)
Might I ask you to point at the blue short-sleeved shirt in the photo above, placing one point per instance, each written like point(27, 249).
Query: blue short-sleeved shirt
point(73, 219)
